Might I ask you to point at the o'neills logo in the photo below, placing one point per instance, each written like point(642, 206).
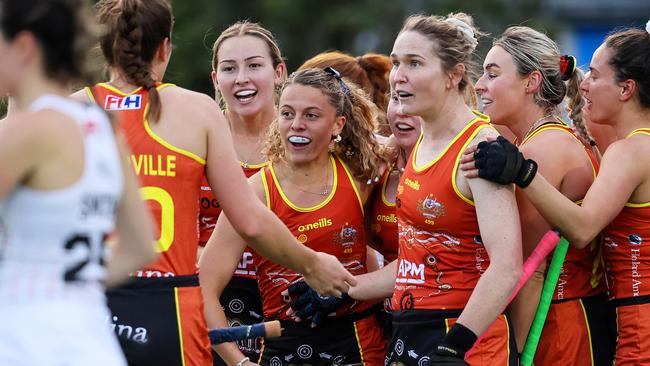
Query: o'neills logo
point(392, 218)
point(322, 222)
point(412, 183)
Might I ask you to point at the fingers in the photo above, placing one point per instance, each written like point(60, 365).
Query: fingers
point(296, 288)
point(299, 303)
point(317, 319)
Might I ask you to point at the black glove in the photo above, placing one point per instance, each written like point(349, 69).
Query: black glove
point(452, 348)
point(501, 162)
point(309, 303)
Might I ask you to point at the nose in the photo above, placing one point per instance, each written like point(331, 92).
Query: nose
point(480, 86)
point(242, 76)
point(397, 75)
point(584, 85)
point(297, 123)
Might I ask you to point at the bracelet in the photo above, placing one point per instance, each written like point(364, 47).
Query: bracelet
point(243, 361)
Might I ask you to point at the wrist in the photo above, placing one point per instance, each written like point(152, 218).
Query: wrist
point(527, 173)
point(243, 361)
point(457, 341)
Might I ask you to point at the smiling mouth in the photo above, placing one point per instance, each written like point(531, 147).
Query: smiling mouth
point(403, 94)
point(299, 140)
point(404, 127)
point(245, 95)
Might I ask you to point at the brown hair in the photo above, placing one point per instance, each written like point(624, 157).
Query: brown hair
point(369, 71)
point(358, 147)
point(135, 29)
point(62, 29)
point(454, 39)
point(532, 50)
point(631, 59)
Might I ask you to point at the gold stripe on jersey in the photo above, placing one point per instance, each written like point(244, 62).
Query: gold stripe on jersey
point(643, 131)
point(267, 192)
point(307, 209)
point(460, 155)
point(353, 183)
point(479, 116)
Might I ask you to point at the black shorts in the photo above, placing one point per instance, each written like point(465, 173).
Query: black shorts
point(347, 340)
point(242, 304)
point(159, 321)
point(416, 333)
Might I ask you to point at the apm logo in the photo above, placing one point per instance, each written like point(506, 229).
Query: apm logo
point(115, 103)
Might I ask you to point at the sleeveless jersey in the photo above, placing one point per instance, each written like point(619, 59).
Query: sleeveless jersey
point(441, 255)
point(170, 178)
point(334, 226)
point(209, 213)
point(582, 270)
point(627, 255)
point(383, 223)
point(52, 241)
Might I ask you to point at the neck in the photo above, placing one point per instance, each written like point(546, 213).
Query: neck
point(524, 122)
point(32, 88)
point(307, 174)
point(119, 80)
point(453, 117)
point(631, 118)
point(253, 126)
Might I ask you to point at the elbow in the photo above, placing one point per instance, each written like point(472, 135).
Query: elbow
point(251, 231)
point(580, 239)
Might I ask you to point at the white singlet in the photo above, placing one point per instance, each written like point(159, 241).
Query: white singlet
point(52, 305)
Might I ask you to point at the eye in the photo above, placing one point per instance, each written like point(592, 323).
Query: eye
point(311, 116)
point(286, 114)
point(395, 63)
point(227, 68)
point(491, 76)
point(255, 65)
point(414, 63)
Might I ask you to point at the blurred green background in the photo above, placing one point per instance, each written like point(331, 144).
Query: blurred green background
point(307, 27)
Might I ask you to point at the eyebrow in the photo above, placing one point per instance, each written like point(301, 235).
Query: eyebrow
point(408, 55)
point(246, 59)
point(492, 65)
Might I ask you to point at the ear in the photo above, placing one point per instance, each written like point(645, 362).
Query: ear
point(533, 82)
point(165, 50)
point(628, 89)
point(339, 123)
point(456, 75)
point(280, 73)
point(25, 47)
point(213, 76)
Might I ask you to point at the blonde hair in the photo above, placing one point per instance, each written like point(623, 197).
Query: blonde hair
point(532, 50)
point(454, 40)
point(358, 147)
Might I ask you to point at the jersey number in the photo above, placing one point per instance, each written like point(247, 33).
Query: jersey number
point(92, 256)
point(164, 199)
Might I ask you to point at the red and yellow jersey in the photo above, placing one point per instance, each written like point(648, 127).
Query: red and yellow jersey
point(582, 271)
point(169, 177)
point(209, 213)
point(383, 223)
point(334, 226)
point(626, 252)
point(441, 255)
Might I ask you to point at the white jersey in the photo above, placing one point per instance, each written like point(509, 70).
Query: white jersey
point(52, 242)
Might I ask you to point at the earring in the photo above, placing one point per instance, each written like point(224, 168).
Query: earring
point(337, 138)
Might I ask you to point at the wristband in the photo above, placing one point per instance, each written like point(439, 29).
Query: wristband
point(243, 361)
point(458, 341)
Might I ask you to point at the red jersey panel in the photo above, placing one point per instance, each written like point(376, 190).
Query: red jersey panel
point(169, 177)
point(335, 226)
point(582, 272)
point(209, 213)
point(627, 254)
point(383, 223)
point(441, 255)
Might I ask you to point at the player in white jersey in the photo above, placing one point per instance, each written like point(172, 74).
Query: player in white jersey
point(64, 187)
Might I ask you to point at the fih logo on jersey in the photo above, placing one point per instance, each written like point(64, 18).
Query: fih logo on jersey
point(128, 102)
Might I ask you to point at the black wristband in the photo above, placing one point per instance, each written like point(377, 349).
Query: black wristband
point(526, 173)
point(458, 341)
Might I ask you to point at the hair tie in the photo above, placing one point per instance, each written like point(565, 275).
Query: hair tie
point(465, 29)
point(567, 66)
point(337, 75)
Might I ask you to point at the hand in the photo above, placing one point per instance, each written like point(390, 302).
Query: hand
point(327, 276)
point(452, 348)
point(307, 303)
point(498, 161)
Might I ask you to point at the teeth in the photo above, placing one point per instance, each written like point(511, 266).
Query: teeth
point(245, 93)
point(486, 101)
point(299, 140)
point(403, 126)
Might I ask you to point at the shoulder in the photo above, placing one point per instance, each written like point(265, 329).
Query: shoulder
point(258, 184)
point(552, 142)
point(190, 106)
point(81, 95)
point(485, 132)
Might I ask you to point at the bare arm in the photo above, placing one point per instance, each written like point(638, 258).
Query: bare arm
point(375, 285)
point(259, 227)
point(498, 220)
point(134, 247)
point(216, 267)
point(621, 172)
